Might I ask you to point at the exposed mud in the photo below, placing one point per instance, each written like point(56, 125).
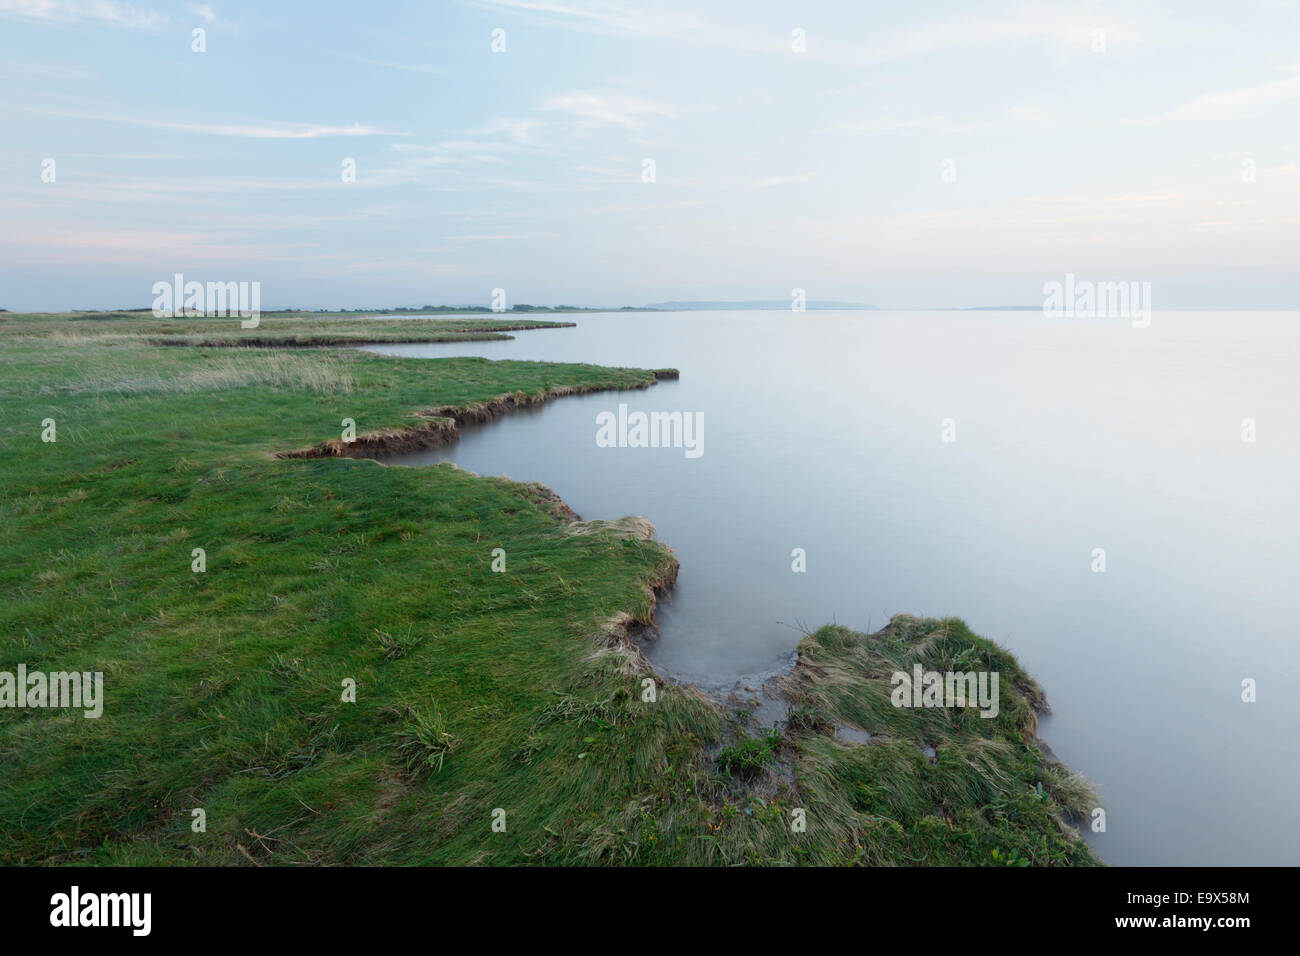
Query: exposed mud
point(623, 633)
point(444, 423)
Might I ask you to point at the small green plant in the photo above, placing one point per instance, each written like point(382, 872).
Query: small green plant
point(393, 647)
point(1009, 858)
point(749, 755)
point(424, 743)
point(285, 668)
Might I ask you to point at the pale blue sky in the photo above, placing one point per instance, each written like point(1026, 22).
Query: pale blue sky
point(775, 169)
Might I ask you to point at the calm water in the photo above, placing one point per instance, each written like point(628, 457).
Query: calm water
point(823, 432)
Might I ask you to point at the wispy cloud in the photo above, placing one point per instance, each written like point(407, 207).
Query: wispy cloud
point(782, 180)
point(1043, 23)
point(609, 109)
point(885, 124)
point(1226, 105)
point(248, 131)
point(50, 71)
point(1052, 25)
point(520, 131)
point(493, 237)
point(42, 243)
point(203, 11)
point(607, 18)
point(1236, 103)
point(405, 67)
point(82, 11)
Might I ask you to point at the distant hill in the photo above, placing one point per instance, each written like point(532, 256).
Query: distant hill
point(996, 308)
point(755, 304)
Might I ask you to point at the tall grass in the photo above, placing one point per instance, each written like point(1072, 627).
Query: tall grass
point(319, 373)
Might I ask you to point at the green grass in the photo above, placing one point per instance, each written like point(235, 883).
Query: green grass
point(987, 794)
point(749, 755)
point(475, 691)
point(275, 329)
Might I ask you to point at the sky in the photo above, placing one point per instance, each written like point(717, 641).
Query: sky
point(909, 155)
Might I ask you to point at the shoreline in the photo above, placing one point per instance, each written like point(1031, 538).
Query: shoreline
point(527, 689)
point(778, 704)
point(444, 426)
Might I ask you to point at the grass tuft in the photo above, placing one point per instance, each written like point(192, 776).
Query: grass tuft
point(748, 756)
point(424, 743)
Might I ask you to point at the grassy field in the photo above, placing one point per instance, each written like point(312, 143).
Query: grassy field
point(481, 696)
point(275, 329)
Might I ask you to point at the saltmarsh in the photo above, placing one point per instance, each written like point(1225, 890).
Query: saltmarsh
point(275, 329)
point(476, 691)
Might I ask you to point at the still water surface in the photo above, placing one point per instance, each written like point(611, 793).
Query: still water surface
point(823, 431)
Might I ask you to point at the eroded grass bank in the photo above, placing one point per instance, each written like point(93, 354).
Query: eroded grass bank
point(477, 690)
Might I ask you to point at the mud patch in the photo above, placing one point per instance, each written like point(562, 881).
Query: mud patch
point(444, 424)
